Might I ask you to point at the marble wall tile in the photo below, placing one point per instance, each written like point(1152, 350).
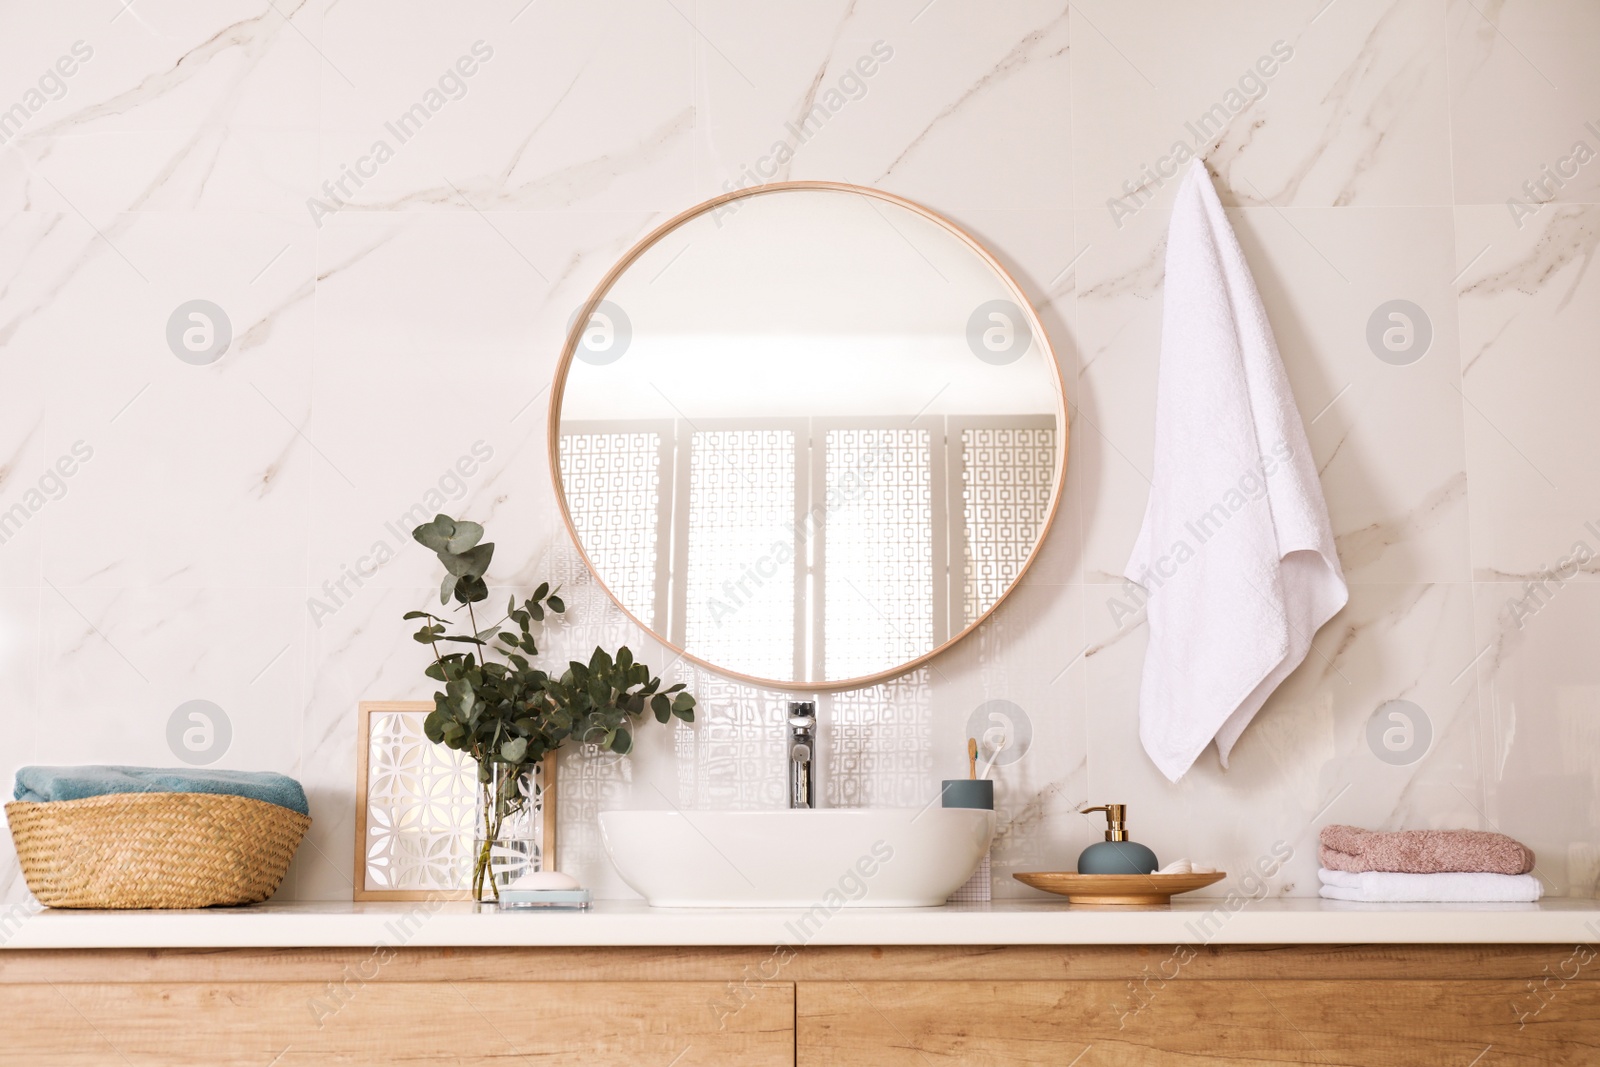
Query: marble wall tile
point(565, 107)
point(957, 106)
point(1118, 283)
point(19, 702)
point(166, 108)
point(1530, 310)
point(1307, 104)
point(1541, 704)
point(223, 541)
point(142, 652)
point(83, 286)
point(495, 289)
point(29, 479)
point(1524, 94)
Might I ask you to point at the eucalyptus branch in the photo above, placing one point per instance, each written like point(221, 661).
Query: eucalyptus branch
point(496, 704)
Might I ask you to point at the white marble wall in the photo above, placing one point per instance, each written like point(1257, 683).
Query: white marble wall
point(375, 346)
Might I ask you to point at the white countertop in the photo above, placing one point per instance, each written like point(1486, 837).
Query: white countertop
point(615, 923)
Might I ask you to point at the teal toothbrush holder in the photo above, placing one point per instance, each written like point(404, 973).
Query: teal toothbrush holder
point(967, 793)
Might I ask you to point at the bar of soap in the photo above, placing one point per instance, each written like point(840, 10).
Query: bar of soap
point(545, 880)
point(1184, 866)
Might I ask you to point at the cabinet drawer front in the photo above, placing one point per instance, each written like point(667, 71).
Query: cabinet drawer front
point(1379, 1023)
point(286, 1024)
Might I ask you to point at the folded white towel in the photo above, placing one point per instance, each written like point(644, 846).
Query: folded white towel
point(1236, 551)
point(1459, 886)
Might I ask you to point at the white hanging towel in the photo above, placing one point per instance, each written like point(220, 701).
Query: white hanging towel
point(1236, 552)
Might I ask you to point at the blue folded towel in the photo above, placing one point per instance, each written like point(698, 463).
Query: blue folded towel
point(43, 784)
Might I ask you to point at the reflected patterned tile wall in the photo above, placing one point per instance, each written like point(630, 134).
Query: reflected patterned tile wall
point(879, 745)
point(733, 758)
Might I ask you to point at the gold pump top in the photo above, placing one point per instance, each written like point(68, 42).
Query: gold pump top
point(1116, 820)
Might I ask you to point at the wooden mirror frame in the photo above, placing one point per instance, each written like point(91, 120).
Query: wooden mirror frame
point(581, 320)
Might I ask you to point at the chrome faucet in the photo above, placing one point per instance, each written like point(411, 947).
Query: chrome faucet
point(802, 754)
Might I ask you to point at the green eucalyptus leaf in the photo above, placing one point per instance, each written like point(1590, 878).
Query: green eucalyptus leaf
point(513, 750)
point(446, 587)
point(471, 589)
point(466, 535)
point(474, 561)
point(621, 742)
point(539, 593)
point(461, 695)
point(436, 534)
point(557, 605)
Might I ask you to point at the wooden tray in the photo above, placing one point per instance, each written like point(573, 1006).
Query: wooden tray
point(1117, 888)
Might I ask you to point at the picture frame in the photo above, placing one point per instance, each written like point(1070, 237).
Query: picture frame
point(416, 806)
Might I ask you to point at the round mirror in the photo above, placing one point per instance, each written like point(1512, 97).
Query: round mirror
point(808, 434)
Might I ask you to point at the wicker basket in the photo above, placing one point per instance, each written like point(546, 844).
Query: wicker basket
point(154, 850)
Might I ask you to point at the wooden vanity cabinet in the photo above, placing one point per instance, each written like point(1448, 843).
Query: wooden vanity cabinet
point(818, 1007)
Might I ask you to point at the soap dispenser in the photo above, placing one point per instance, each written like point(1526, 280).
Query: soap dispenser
point(1116, 854)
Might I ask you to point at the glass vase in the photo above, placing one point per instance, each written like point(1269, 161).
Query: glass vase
point(506, 840)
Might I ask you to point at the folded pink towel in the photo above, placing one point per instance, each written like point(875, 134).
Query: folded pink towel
point(1350, 848)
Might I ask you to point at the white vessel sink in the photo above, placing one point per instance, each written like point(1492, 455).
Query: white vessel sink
point(838, 857)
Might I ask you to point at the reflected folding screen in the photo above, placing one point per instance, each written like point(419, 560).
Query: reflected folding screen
point(809, 547)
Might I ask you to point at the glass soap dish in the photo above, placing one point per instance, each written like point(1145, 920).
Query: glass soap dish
point(549, 899)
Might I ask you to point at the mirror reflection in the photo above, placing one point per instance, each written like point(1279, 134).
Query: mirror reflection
point(810, 435)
